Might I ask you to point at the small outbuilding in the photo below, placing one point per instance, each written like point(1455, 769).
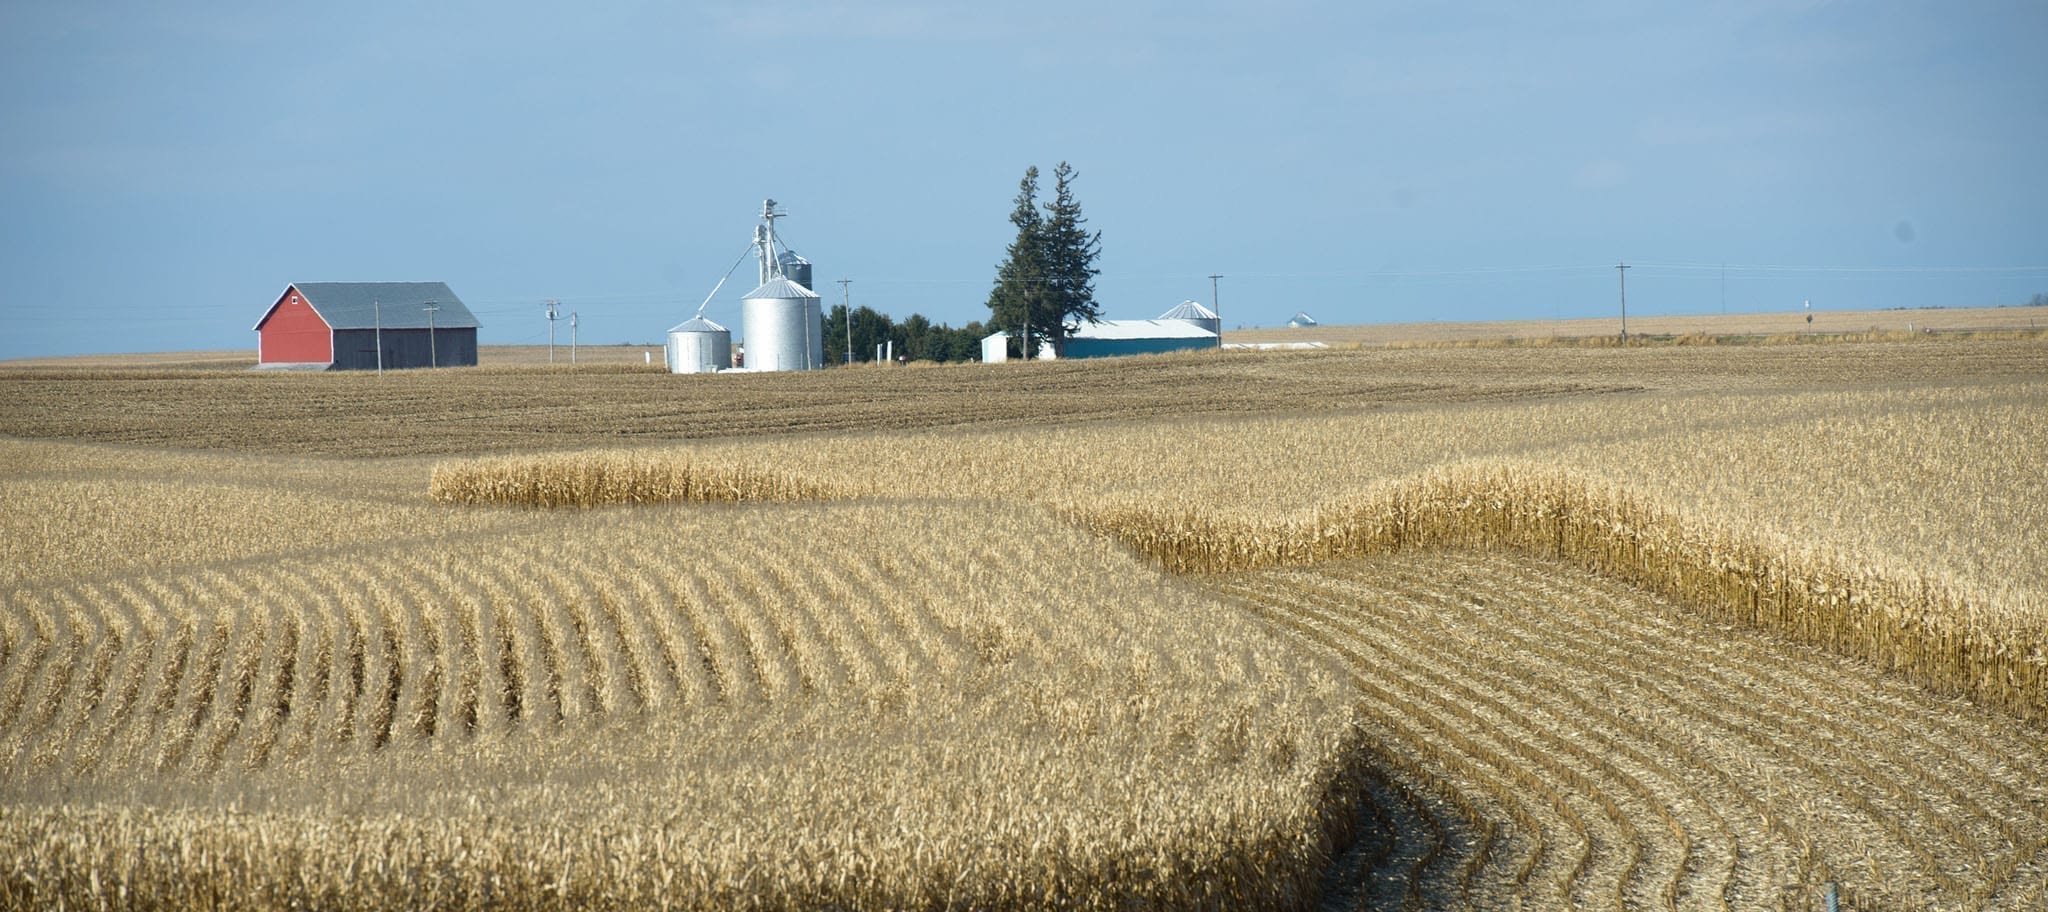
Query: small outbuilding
point(1301, 319)
point(366, 326)
point(995, 348)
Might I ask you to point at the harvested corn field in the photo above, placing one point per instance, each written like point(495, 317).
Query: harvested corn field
point(1555, 740)
point(1571, 628)
point(889, 720)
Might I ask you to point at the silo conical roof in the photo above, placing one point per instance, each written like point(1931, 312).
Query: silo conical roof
point(1189, 310)
point(696, 324)
point(780, 288)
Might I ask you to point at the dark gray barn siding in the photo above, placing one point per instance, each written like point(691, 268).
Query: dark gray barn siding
point(356, 349)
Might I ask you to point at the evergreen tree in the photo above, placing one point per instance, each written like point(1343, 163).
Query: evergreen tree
point(1045, 285)
point(1069, 258)
point(1013, 304)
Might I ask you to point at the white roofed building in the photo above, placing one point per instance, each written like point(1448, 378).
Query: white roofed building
point(1108, 338)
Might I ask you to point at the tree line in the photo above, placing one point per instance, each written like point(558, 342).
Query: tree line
point(916, 338)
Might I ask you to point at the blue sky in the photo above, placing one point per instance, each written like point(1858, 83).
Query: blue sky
point(166, 169)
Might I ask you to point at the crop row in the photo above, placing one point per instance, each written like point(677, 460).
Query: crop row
point(859, 706)
point(1574, 742)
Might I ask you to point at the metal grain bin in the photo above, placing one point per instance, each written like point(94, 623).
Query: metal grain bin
point(1192, 312)
point(699, 346)
point(796, 269)
point(784, 326)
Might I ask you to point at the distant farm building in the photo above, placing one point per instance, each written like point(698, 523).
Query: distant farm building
point(1300, 320)
point(1110, 338)
point(348, 325)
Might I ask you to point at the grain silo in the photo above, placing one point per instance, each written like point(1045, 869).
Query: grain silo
point(1192, 312)
point(795, 268)
point(699, 346)
point(783, 320)
point(785, 327)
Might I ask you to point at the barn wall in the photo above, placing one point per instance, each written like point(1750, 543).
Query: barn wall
point(1106, 348)
point(356, 349)
point(293, 333)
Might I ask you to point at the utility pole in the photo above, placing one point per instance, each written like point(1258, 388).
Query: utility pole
point(1621, 269)
point(551, 305)
point(1216, 305)
point(377, 314)
point(1024, 331)
point(433, 352)
point(572, 337)
point(846, 301)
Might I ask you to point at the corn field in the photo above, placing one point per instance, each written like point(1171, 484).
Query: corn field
point(1541, 629)
point(1557, 739)
point(708, 712)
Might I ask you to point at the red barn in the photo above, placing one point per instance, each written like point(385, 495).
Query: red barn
point(366, 326)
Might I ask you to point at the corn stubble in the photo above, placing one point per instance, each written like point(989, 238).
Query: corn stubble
point(1501, 644)
point(1867, 531)
point(911, 705)
point(1549, 738)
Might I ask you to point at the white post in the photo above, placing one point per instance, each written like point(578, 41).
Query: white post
point(377, 311)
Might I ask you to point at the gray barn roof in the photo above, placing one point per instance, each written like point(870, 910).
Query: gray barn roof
point(395, 305)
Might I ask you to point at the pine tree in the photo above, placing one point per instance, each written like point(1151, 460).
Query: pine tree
point(1070, 254)
point(1045, 285)
point(1012, 303)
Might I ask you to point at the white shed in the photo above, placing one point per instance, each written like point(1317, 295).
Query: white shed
point(995, 348)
